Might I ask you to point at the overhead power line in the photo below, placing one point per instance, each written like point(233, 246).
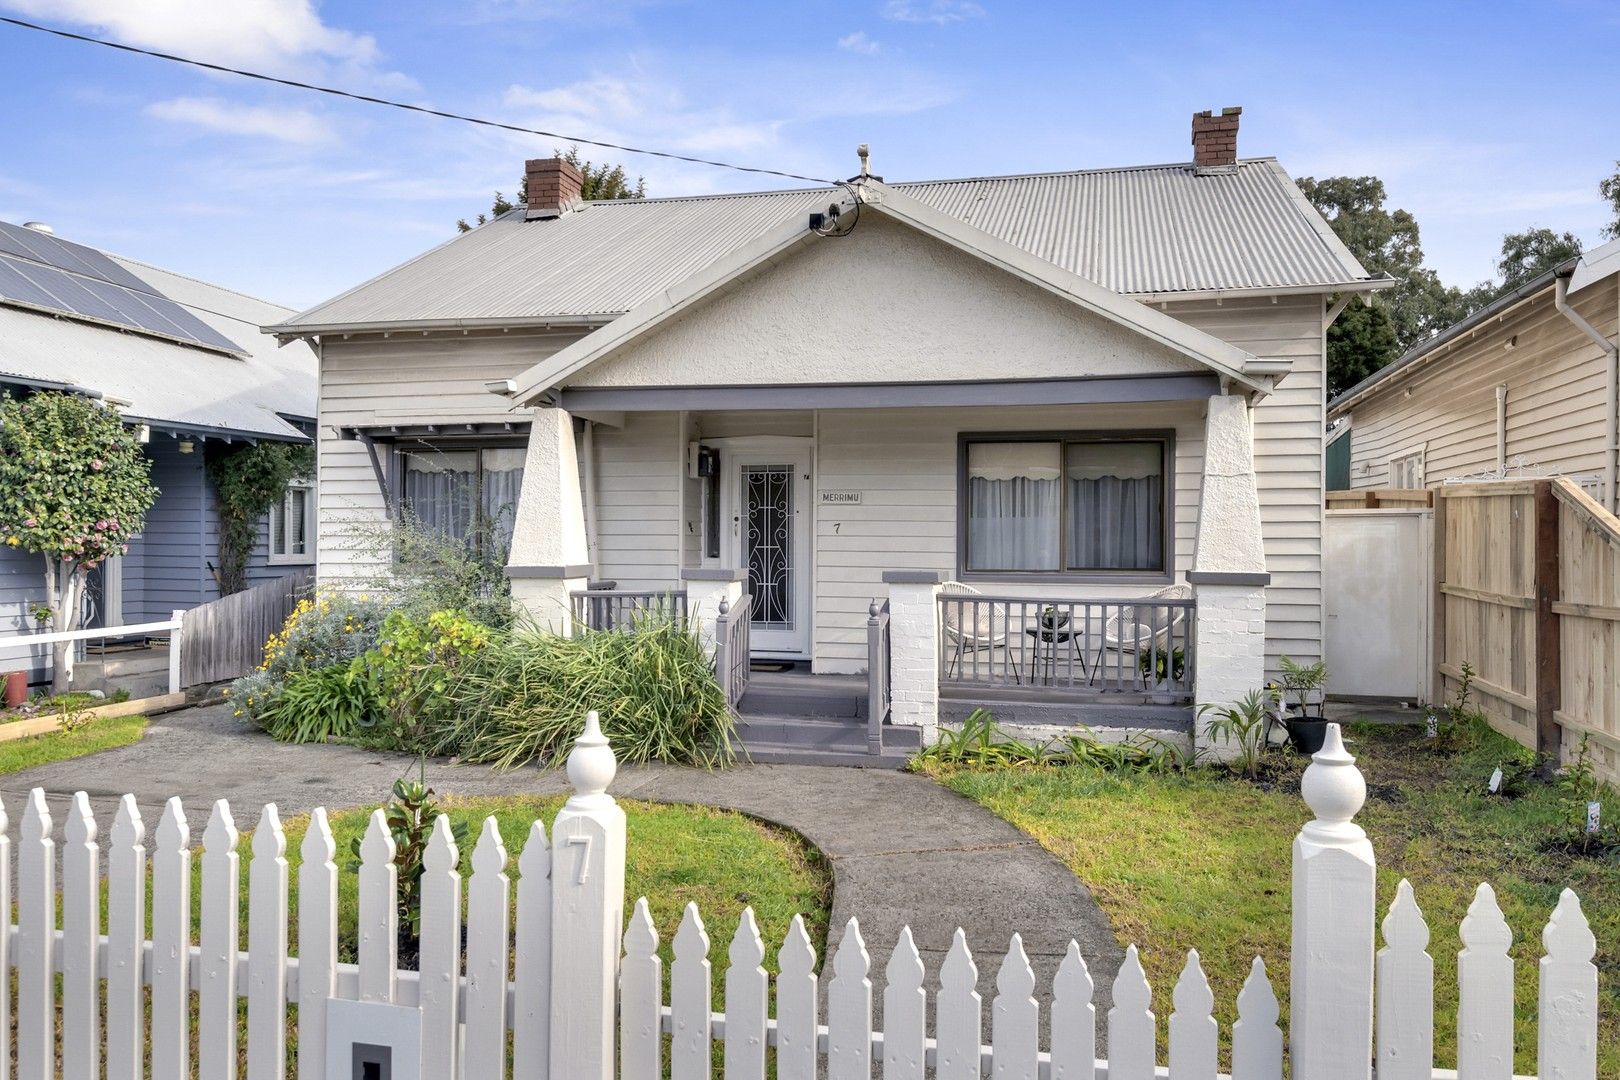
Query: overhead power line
point(369, 99)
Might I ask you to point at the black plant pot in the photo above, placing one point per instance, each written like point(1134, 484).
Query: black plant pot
point(1306, 734)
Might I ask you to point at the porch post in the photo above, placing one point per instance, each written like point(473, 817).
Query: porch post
point(914, 649)
point(549, 559)
point(704, 591)
point(1228, 574)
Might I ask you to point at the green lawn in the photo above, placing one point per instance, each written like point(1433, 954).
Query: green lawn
point(103, 733)
point(1203, 861)
point(721, 859)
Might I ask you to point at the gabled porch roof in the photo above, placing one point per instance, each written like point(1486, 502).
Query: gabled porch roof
point(1227, 363)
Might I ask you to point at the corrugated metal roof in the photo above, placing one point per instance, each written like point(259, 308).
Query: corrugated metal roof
point(1146, 230)
point(169, 384)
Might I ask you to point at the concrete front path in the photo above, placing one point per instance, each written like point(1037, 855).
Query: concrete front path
point(903, 850)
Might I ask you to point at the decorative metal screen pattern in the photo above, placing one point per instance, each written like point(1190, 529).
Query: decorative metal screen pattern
point(768, 543)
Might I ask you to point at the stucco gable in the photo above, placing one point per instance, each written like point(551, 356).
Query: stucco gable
point(883, 304)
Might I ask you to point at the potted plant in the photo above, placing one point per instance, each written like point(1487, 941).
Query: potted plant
point(1053, 619)
point(1162, 671)
point(1302, 704)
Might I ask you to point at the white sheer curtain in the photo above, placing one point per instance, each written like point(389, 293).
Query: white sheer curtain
point(1116, 506)
point(455, 492)
point(1014, 502)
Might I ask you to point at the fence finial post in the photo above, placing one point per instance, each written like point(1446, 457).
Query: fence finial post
point(1331, 1019)
point(587, 897)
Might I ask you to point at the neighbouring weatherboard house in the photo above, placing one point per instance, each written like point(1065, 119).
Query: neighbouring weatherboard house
point(184, 363)
point(1050, 443)
point(1526, 386)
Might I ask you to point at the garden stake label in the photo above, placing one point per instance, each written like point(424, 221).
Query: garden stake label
point(1593, 811)
point(1496, 780)
point(1432, 728)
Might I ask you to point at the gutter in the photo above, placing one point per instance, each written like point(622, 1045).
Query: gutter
point(1611, 418)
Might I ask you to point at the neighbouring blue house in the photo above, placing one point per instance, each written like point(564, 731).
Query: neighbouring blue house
point(185, 364)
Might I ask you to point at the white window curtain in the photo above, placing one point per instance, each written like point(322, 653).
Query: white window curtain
point(458, 492)
point(1116, 506)
point(289, 522)
point(1014, 505)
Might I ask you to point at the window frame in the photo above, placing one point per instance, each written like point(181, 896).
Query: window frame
point(1416, 455)
point(306, 487)
point(1165, 437)
point(442, 444)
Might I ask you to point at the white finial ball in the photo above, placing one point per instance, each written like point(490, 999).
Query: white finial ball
point(1332, 786)
point(591, 764)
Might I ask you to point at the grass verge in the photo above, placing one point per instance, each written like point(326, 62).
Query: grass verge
point(1203, 861)
point(102, 733)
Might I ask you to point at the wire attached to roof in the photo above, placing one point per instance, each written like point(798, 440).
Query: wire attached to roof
point(295, 84)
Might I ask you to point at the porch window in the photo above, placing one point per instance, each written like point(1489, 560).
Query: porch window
point(290, 523)
point(1074, 504)
point(463, 493)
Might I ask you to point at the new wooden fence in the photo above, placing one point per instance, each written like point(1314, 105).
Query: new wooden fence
point(1528, 594)
point(224, 638)
point(1380, 498)
point(583, 997)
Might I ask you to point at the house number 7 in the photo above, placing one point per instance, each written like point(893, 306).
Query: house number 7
point(582, 859)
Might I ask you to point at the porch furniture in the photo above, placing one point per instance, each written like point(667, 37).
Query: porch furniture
point(1045, 642)
point(973, 628)
point(1143, 629)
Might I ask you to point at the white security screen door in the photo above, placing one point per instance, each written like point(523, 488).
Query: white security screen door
point(769, 516)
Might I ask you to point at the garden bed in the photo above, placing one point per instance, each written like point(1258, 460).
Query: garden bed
point(1202, 860)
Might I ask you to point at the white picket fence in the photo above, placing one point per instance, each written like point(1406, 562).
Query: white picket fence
point(588, 993)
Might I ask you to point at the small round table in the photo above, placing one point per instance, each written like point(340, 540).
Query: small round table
point(1046, 639)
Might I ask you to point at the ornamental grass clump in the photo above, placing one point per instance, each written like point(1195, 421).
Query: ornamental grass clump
point(522, 700)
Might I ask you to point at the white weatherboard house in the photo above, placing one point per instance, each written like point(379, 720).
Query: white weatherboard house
point(1051, 444)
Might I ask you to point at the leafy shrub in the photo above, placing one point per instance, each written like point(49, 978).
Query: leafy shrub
point(421, 570)
point(413, 668)
point(981, 743)
point(523, 700)
point(1242, 726)
point(321, 704)
point(330, 629)
point(409, 815)
point(1170, 665)
point(1457, 725)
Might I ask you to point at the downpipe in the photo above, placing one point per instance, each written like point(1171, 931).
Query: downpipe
point(1611, 419)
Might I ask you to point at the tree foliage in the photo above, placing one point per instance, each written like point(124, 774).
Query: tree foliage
point(1385, 242)
point(1529, 254)
point(74, 487)
point(248, 480)
point(602, 181)
point(1609, 188)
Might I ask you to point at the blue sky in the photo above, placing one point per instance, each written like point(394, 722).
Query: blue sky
point(1481, 118)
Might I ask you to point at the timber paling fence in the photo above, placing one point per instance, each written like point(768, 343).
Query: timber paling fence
point(586, 996)
point(224, 638)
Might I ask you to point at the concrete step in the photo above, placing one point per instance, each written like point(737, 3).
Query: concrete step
point(822, 740)
point(835, 702)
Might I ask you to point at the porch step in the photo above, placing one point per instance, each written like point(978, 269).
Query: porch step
point(821, 740)
point(803, 697)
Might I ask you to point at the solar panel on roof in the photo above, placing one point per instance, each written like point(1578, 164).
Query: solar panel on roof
point(41, 271)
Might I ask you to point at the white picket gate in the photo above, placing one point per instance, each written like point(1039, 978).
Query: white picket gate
point(588, 991)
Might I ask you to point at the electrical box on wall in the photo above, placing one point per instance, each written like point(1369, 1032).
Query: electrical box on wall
point(702, 461)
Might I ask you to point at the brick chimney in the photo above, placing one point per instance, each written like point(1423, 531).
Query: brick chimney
point(1214, 140)
point(553, 186)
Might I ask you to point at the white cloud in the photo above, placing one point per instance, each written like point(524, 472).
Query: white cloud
point(938, 12)
point(641, 112)
point(279, 35)
point(234, 118)
point(859, 42)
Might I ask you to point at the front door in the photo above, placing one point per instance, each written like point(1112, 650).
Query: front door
point(769, 514)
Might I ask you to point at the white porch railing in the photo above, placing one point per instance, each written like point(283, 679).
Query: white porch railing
point(453, 1017)
point(29, 642)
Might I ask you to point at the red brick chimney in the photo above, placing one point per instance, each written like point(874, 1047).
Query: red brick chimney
point(1214, 139)
point(553, 186)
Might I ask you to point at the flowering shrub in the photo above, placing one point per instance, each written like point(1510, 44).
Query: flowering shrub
point(414, 667)
point(74, 487)
point(330, 629)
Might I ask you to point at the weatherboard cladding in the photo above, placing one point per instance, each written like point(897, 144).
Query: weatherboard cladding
point(1148, 230)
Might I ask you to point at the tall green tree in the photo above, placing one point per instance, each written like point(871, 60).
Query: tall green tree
point(1529, 254)
point(74, 487)
point(1609, 188)
point(602, 181)
point(1385, 241)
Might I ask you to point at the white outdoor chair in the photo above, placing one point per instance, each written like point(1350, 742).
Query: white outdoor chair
point(1132, 631)
point(981, 632)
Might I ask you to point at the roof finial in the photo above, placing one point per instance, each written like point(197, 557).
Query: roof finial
point(864, 152)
